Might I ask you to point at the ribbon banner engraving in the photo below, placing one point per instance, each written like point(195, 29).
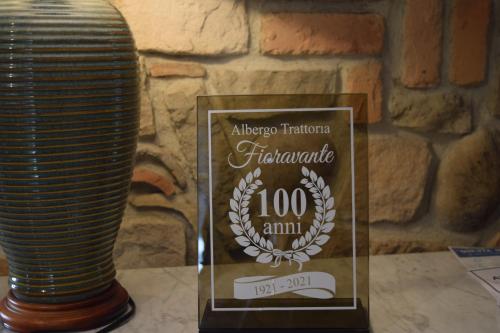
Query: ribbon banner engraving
point(310, 284)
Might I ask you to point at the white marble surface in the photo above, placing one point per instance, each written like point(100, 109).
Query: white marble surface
point(408, 293)
point(428, 293)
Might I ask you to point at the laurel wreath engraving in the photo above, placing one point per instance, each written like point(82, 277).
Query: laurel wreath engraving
point(303, 247)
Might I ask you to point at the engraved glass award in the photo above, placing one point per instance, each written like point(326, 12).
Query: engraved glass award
point(283, 213)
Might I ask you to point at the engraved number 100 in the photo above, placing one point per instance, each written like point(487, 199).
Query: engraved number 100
point(282, 202)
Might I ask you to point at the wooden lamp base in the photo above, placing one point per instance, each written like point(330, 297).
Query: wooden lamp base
point(95, 312)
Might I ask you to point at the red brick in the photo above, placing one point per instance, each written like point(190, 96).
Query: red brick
point(314, 33)
point(176, 68)
point(422, 46)
point(154, 179)
point(366, 78)
point(469, 41)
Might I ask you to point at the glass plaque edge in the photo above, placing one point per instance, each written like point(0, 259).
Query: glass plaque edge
point(353, 194)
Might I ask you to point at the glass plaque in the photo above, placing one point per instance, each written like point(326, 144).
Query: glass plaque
point(283, 213)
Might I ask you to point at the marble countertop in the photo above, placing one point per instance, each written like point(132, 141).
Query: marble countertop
point(408, 293)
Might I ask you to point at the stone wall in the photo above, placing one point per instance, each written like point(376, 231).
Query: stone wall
point(431, 69)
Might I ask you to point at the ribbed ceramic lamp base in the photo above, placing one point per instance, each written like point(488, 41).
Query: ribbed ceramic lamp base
point(95, 312)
